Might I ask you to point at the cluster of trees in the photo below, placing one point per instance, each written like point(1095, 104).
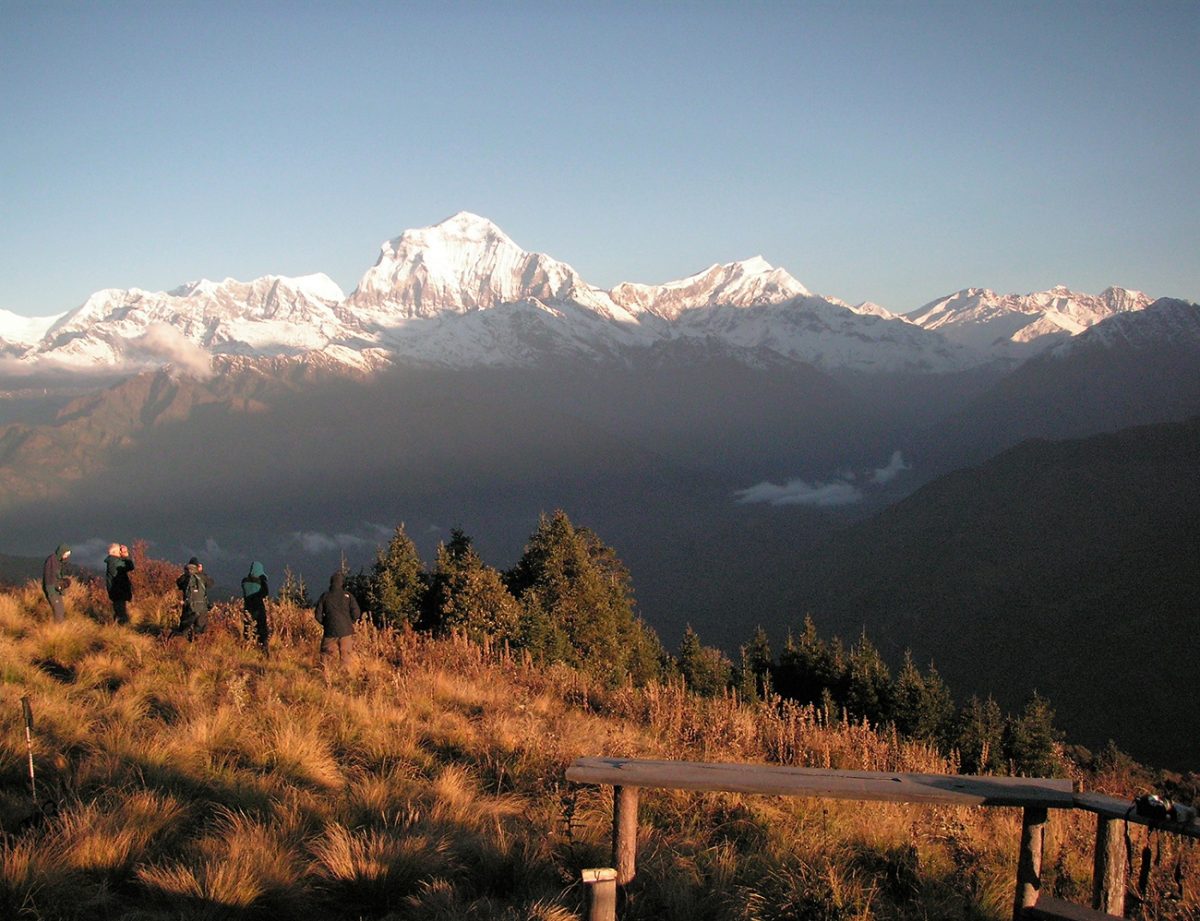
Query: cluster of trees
point(856, 684)
point(570, 599)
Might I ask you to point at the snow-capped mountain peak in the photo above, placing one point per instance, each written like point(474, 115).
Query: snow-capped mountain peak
point(747, 283)
point(1013, 326)
point(462, 293)
point(462, 264)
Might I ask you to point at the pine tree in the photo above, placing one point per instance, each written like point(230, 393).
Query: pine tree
point(757, 666)
point(869, 686)
point(293, 590)
point(1029, 740)
point(705, 669)
point(922, 706)
point(979, 737)
point(577, 603)
point(470, 596)
point(807, 667)
point(397, 588)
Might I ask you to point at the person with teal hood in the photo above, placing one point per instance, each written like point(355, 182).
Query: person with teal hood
point(254, 598)
point(54, 583)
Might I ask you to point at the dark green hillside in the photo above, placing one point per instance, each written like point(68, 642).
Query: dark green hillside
point(1070, 567)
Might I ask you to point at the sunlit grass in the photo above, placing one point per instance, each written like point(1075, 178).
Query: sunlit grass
point(200, 780)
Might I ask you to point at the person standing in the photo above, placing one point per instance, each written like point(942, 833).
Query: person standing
point(117, 567)
point(254, 598)
point(336, 611)
point(54, 583)
point(194, 584)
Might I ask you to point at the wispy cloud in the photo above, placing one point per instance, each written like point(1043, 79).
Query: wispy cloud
point(163, 341)
point(798, 492)
point(894, 468)
point(314, 542)
point(841, 490)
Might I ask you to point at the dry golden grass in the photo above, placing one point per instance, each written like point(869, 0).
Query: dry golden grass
point(203, 781)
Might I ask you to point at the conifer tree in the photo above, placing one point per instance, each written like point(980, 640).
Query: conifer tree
point(577, 603)
point(470, 596)
point(869, 684)
point(1030, 738)
point(760, 663)
point(705, 669)
point(807, 667)
point(397, 587)
point(293, 590)
point(979, 737)
point(922, 706)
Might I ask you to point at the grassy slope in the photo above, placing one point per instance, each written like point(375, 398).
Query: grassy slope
point(200, 781)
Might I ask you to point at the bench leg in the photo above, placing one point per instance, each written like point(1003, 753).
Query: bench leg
point(1108, 869)
point(1029, 860)
point(625, 822)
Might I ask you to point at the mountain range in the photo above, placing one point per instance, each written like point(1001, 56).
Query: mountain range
point(753, 451)
point(462, 294)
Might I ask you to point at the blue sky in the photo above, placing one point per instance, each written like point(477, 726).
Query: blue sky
point(892, 152)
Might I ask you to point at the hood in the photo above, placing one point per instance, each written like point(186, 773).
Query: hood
point(336, 581)
point(256, 570)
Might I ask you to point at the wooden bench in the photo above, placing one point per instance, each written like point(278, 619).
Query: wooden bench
point(1034, 795)
point(1051, 909)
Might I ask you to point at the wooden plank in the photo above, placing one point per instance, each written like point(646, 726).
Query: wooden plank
point(781, 780)
point(1110, 807)
point(1051, 909)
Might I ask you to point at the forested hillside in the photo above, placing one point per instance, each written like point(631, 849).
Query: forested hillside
point(425, 779)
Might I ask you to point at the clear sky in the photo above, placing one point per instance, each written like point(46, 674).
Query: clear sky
point(884, 151)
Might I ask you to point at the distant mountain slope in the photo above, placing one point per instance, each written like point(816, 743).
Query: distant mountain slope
point(1072, 567)
point(1132, 369)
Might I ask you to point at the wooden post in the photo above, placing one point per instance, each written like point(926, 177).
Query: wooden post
point(625, 807)
point(1029, 860)
point(1108, 869)
point(602, 894)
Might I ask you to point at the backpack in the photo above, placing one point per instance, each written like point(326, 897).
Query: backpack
point(195, 595)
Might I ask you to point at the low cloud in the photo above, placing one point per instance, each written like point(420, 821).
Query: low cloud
point(89, 552)
point(841, 490)
point(162, 341)
point(314, 542)
point(894, 468)
point(798, 492)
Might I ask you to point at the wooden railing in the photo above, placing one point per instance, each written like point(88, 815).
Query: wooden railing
point(1034, 795)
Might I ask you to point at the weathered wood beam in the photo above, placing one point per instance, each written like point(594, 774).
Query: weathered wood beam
point(780, 780)
point(625, 825)
point(1029, 860)
point(1108, 867)
point(602, 893)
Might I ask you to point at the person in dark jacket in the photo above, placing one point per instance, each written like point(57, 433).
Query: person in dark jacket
point(117, 567)
point(54, 583)
point(336, 612)
point(254, 598)
point(194, 584)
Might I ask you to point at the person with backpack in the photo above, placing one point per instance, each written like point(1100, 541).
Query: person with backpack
point(117, 567)
point(254, 598)
point(336, 611)
point(54, 583)
point(194, 584)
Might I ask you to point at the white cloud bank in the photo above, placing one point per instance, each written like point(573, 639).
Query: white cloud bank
point(836, 492)
point(163, 341)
